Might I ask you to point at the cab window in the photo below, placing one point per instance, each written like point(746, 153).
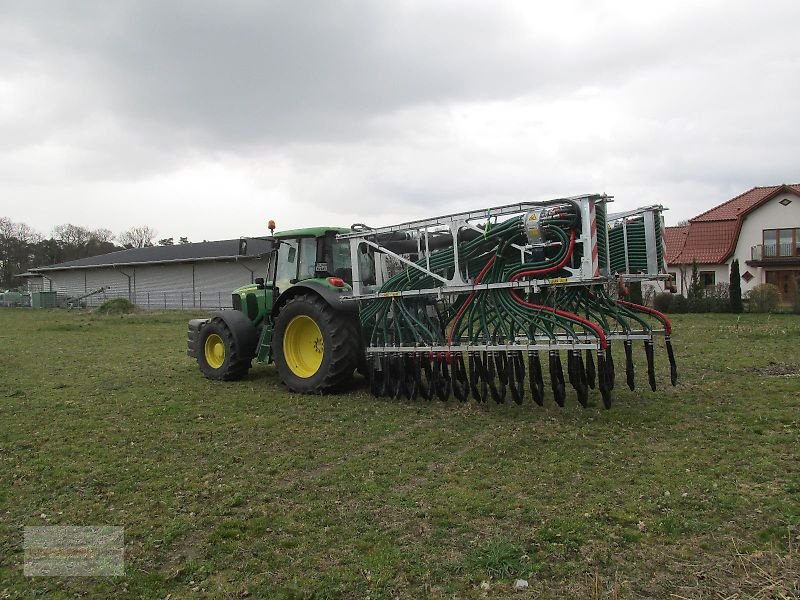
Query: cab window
point(287, 263)
point(308, 258)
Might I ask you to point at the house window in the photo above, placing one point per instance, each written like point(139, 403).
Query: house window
point(781, 243)
point(747, 276)
point(785, 202)
point(708, 279)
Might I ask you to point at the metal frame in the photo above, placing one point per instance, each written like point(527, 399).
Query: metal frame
point(455, 222)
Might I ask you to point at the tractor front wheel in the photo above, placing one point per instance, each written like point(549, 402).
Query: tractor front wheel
point(315, 348)
point(218, 354)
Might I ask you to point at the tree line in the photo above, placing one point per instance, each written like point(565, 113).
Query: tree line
point(23, 248)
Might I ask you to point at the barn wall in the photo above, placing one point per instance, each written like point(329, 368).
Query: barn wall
point(204, 284)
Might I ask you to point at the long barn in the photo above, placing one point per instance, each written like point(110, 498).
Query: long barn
point(200, 275)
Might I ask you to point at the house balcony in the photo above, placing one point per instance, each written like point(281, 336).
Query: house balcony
point(774, 255)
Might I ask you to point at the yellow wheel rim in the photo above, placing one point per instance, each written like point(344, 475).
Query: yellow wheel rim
point(303, 346)
point(214, 351)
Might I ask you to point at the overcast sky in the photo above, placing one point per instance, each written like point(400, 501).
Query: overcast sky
point(207, 119)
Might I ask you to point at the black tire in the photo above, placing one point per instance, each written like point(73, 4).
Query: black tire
point(341, 345)
point(234, 366)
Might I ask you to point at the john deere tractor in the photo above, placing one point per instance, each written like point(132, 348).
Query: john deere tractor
point(293, 317)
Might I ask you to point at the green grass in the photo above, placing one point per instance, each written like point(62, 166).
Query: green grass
point(235, 489)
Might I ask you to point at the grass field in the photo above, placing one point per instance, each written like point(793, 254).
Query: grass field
point(241, 489)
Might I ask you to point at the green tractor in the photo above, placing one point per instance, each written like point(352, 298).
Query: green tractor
point(293, 317)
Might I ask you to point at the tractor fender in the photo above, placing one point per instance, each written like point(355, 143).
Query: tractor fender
point(333, 296)
point(243, 330)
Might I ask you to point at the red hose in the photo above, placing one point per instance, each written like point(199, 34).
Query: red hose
point(469, 300)
point(562, 313)
point(651, 311)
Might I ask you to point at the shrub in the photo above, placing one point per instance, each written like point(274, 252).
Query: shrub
point(636, 292)
point(719, 298)
point(794, 294)
point(679, 304)
point(116, 306)
point(763, 298)
point(663, 301)
point(697, 305)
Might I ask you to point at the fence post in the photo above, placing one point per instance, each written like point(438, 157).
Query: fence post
point(148, 300)
point(181, 300)
point(219, 300)
point(201, 299)
point(165, 300)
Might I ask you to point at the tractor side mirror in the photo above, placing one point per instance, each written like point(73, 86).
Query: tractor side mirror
point(260, 283)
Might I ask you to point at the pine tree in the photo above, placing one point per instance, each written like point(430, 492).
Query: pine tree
point(735, 289)
point(696, 290)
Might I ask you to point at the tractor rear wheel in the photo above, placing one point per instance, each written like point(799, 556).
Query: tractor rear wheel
point(218, 354)
point(314, 346)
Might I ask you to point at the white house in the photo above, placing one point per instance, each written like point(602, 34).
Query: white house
point(760, 228)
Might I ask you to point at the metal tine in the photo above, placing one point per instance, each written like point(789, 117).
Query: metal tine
point(651, 371)
point(557, 378)
point(591, 372)
point(441, 378)
point(535, 377)
point(673, 368)
point(477, 377)
point(629, 371)
point(410, 376)
point(396, 376)
point(516, 377)
point(426, 389)
point(605, 376)
point(497, 384)
point(459, 378)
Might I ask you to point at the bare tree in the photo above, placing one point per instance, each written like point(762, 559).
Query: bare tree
point(103, 235)
point(183, 240)
point(166, 242)
point(141, 236)
point(72, 235)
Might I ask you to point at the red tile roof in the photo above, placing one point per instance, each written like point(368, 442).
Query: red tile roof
point(674, 239)
point(744, 203)
point(711, 236)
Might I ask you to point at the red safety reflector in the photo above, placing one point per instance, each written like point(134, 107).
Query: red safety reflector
point(336, 281)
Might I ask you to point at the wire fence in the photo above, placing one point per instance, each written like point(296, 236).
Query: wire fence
point(55, 297)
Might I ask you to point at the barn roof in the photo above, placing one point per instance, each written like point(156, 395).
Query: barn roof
point(711, 237)
point(200, 251)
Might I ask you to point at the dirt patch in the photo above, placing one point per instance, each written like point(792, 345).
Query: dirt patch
point(778, 370)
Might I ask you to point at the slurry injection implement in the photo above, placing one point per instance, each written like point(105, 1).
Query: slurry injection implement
point(474, 304)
